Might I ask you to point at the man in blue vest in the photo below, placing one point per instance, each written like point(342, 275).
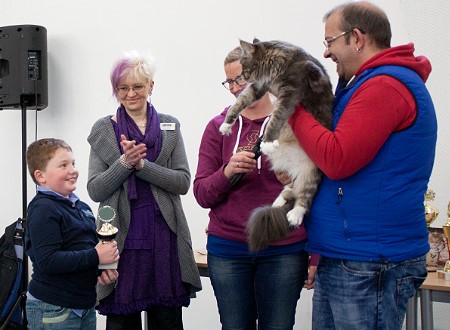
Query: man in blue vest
point(367, 220)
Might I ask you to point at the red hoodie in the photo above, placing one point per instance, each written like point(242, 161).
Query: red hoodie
point(381, 106)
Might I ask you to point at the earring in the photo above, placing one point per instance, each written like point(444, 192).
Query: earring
point(358, 50)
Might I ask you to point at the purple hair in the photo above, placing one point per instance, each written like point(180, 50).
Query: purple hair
point(117, 72)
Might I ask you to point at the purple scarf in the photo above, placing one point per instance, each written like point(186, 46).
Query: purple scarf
point(152, 138)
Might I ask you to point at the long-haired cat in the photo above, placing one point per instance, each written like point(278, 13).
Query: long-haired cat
point(293, 76)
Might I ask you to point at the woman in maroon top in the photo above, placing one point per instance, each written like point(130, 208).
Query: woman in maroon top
point(248, 286)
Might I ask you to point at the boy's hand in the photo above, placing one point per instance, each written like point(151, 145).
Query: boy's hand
point(108, 276)
point(107, 252)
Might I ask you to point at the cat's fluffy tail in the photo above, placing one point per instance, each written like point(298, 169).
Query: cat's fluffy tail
point(266, 225)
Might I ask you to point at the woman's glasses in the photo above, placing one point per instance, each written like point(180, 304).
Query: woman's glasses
point(239, 80)
point(124, 90)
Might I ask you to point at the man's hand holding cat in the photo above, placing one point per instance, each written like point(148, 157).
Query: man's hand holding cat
point(283, 177)
point(241, 162)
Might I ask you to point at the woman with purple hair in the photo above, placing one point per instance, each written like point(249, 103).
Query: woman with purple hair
point(138, 165)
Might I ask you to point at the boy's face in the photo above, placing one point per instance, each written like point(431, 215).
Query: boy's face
point(60, 175)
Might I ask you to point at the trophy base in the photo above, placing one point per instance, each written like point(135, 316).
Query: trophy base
point(108, 266)
point(443, 275)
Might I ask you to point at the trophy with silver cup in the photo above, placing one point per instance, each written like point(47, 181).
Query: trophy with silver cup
point(107, 232)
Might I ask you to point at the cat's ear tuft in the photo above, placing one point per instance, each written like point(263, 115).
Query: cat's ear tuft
point(256, 40)
point(247, 47)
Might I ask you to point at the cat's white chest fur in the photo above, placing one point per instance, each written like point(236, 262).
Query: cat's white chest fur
point(289, 157)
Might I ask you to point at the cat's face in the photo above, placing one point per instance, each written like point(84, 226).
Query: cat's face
point(248, 60)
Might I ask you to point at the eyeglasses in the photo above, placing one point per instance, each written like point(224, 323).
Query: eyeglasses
point(239, 80)
point(124, 90)
point(327, 43)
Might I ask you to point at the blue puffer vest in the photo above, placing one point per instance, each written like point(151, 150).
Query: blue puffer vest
point(377, 214)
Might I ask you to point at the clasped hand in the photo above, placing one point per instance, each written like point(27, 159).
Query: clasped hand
point(133, 153)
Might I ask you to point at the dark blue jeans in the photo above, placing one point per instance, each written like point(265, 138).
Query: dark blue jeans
point(263, 288)
point(364, 295)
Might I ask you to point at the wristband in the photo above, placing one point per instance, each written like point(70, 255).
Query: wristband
point(140, 166)
point(124, 163)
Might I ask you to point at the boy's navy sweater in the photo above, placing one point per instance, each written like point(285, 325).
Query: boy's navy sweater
point(60, 241)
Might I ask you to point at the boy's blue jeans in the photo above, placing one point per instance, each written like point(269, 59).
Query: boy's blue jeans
point(41, 315)
point(263, 288)
point(364, 295)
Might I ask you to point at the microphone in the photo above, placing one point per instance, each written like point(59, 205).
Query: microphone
point(257, 151)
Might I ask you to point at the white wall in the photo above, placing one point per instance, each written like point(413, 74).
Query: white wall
point(189, 41)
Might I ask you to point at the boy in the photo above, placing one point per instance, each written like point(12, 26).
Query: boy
point(62, 244)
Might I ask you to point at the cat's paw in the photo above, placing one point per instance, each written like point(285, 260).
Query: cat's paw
point(295, 216)
point(225, 128)
point(269, 147)
point(279, 202)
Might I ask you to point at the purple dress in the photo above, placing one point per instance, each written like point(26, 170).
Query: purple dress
point(149, 271)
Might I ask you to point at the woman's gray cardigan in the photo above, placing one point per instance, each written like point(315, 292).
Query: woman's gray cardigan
point(168, 177)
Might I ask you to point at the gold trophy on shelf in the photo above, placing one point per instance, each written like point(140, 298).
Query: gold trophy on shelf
point(431, 213)
point(107, 232)
point(445, 273)
point(435, 236)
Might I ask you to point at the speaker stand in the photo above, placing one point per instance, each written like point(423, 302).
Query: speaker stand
point(21, 299)
point(23, 294)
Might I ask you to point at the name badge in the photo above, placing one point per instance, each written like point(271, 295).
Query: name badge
point(167, 126)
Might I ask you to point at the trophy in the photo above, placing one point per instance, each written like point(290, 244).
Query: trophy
point(431, 213)
point(107, 232)
point(446, 227)
point(445, 273)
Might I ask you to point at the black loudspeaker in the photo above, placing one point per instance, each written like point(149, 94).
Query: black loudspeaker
point(23, 67)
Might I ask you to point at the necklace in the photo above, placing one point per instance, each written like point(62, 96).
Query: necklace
point(140, 121)
point(142, 127)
